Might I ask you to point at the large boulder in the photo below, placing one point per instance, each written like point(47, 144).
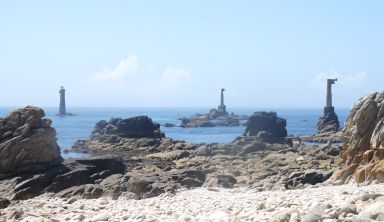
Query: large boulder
point(267, 126)
point(134, 127)
point(27, 141)
point(363, 151)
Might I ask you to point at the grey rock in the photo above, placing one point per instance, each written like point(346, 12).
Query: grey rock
point(134, 127)
point(4, 203)
point(315, 213)
point(27, 141)
point(267, 126)
point(204, 150)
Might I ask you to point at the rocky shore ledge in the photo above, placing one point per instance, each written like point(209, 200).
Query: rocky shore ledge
point(138, 174)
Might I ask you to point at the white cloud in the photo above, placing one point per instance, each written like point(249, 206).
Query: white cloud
point(131, 79)
point(346, 80)
point(125, 68)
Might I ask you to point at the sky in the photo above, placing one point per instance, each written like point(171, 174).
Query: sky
point(181, 53)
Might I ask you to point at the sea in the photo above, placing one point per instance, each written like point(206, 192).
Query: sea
point(72, 128)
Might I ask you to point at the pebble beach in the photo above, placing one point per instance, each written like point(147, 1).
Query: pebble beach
point(348, 202)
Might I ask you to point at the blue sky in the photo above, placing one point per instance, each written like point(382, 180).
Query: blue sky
point(180, 53)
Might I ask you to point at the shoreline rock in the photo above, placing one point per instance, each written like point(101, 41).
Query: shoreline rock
point(363, 151)
point(27, 141)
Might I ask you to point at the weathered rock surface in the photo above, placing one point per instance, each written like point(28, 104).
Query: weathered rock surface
point(134, 127)
point(264, 161)
point(4, 203)
point(363, 151)
point(267, 127)
point(71, 173)
point(27, 141)
point(329, 122)
point(324, 137)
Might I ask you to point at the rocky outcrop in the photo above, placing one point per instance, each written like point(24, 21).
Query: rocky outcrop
point(61, 178)
point(263, 159)
point(363, 151)
point(134, 127)
point(267, 127)
point(27, 141)
point(211, 119)
point(215, 117)
point(135, 135)
point(329, 122)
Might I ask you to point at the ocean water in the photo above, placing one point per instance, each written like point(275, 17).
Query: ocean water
point(71, 128)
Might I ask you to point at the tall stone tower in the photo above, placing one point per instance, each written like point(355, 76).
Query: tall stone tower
point(329, 122)
point(328, 106)
point(222, 108)
point(62, 109)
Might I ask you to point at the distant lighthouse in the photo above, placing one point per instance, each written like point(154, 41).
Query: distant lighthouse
point(62, 109)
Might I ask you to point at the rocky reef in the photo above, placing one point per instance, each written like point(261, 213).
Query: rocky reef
point(363, 150)
point(263, 158)
point(27, 141)
point(212, 119)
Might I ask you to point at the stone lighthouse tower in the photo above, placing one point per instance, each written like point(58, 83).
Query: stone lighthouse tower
point(62, 109)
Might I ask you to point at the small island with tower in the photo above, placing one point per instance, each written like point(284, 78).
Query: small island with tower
point(215, 117)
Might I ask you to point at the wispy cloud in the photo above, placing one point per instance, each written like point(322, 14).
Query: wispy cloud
point(125, 67)
point(347, 80)
point(131, 78)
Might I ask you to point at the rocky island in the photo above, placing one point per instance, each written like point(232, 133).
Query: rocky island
point(136, 173)
point(215, 117)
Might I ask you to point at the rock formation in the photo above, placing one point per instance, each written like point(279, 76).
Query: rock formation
point(215, 117)
point(80, 177)
point(27, 140)
point(134, 127)
point(363, 150)
point(129, 135)
point(329, 122)
point(267, 127)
